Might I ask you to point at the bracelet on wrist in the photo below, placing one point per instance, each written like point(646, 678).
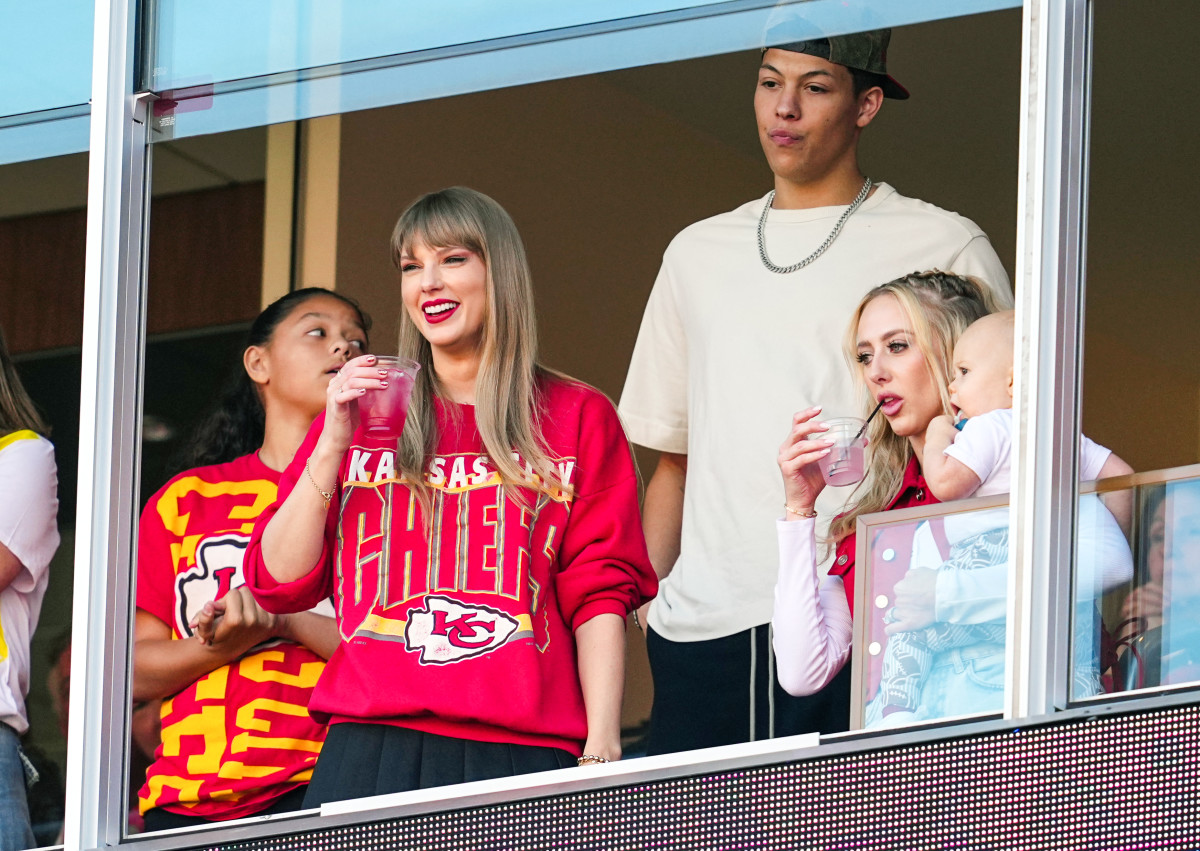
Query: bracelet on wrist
point(325, 496)
point(590, 759)
point(809, 514)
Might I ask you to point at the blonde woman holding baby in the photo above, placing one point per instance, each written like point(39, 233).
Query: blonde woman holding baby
point(902, 342)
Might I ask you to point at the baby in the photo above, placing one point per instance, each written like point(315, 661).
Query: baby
point(958, 464)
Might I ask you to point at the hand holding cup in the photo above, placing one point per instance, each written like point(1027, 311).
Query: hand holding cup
point(798, 460)
point(382, 411)
point(845, 464)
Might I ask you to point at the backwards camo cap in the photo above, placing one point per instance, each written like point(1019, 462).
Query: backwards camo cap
point(862, 51)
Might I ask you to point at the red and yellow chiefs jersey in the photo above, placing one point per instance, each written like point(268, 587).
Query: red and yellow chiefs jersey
point(238, 738)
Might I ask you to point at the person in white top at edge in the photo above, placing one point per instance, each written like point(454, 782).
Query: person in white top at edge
point(742, 328)
point(28, 540)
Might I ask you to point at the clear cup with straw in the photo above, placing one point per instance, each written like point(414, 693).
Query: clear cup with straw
point(846, 462)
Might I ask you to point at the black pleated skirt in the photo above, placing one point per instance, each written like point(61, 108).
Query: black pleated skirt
point(360, 760)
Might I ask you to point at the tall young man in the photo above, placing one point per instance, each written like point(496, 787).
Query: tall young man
point(743, 328)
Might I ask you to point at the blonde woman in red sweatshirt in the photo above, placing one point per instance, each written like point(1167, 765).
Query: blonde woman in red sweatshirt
point(482, 566)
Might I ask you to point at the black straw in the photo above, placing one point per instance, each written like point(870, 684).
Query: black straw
point(868, 422)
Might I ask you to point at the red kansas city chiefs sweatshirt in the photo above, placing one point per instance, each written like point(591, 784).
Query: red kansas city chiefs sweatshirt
point(471, 637)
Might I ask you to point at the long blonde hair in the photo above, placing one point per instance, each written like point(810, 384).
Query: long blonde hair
point(17, 410)
point(506, 409)
point(939, 307)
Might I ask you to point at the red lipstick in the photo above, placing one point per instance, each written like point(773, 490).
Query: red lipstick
point(438, 310)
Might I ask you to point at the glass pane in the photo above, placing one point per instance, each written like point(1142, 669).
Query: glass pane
point(595, 238)
point(45, 55)
point(204, 287)
point(1103, 571)
point(230, 40)
point(1140, 302)
point(63, 131)
point(200, 51)
point(42, 226)
point(930, 617)
point(45, 79)
point(1167, 599)
point(1141, 297)
point(1153, 618)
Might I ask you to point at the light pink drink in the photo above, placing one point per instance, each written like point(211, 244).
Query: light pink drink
point(383, 411)
point(845, 463)
point(844, 466)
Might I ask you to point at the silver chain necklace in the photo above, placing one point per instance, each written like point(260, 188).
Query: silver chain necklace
point(787, 270)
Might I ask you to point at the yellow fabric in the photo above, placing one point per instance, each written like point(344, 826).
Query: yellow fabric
point(13, 436)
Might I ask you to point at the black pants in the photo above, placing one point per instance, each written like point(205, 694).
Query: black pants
point(160, 819)
point(724, 691)
point(360, 760)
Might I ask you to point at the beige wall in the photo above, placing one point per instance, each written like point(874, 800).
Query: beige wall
point(601, 171)
point(1136, 405)
point(595, 203)
point(1141, 381)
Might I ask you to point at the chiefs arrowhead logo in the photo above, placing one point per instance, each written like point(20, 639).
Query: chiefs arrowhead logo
point(447, 631)
point(217, 571)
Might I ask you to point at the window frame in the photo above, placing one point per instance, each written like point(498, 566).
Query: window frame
point(1051, 235)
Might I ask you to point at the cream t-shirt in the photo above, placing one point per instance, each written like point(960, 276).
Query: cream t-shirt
point(729, 351)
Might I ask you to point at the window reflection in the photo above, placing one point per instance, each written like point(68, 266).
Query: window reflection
point(946, 661)
point(1131, 360)
point(953, 666)
point(1161, 613)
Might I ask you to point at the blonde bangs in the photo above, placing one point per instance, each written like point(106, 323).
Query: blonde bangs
point(437, 224)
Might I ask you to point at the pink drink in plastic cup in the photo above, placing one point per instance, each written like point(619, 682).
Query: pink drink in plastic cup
point(844, 465)
point(382, 411)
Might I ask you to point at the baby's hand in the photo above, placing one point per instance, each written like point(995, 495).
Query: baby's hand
point(942, 429)
point(944, 421)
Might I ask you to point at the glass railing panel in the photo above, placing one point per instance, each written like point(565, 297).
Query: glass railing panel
point(930, 606)
point(1149, 617)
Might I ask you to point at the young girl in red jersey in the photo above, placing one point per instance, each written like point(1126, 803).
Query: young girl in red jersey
point(237, 739)
point(483, 566)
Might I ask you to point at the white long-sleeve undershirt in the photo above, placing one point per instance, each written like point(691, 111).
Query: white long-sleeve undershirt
point(811, 621)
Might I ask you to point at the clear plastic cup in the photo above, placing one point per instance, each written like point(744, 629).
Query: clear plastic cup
point(382, 412)
point(845, 463)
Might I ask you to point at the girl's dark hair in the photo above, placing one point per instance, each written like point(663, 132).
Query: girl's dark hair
point(17, 410)
point(236, 423)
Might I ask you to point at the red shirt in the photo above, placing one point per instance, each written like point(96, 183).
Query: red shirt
point(239, 737)
point(472, 635)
